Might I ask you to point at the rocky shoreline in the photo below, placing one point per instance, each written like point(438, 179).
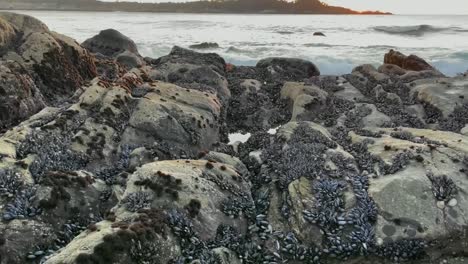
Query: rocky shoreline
point(110, 157)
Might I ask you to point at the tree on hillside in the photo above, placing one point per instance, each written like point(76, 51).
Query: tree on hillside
point(309, 4)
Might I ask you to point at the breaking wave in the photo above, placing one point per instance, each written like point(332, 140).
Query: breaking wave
point(418, 30)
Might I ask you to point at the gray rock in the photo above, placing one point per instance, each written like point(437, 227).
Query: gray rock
point(289, 69)
point(110, 42)
point(205, 45)
point(200, 71)
point(39, 67)
point(129, 60)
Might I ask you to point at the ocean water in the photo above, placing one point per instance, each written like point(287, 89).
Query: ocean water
point(244, 39)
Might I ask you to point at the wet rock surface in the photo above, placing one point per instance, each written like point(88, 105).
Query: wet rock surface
point(38, 68)
point(411, 62)
point(110, 42)
point(135, 166)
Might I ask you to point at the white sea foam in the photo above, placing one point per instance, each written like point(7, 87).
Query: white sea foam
point(244, 39)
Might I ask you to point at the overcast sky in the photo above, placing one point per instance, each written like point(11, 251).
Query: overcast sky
point(395, 6)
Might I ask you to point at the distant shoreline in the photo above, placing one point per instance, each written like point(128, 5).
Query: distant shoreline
point(195, 12)
point(197, 7)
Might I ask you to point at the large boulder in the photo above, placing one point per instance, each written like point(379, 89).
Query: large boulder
point(7, 35)
point(255, 103)
point(429, 182)
point(111, 43)
point(306, 100)
point(205, 45)
point(445, 101)
point(40, 67)
point(289, 68)
point(201, 71)
point(411, 62)
point(20, 97)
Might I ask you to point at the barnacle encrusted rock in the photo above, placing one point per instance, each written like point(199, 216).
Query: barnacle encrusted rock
point(408, 198)
point(179, 184)
point(188, 118)
point(136, 166)
point(38, 67)
point(306, 100)
point(444, 99)
point(189, 69)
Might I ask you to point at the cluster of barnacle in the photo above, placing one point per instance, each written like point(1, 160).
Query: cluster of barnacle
point(266, 98)
point(228, 237)
point(144, 251)
point(402, 250)
point(403, 135)
point(261, 227)
point(354, 117)
point(407, 135)
point(256, 141)
point(296, 160)
point(23, 205)
point(105, 195)
point(433, 114)
point(234, 206)
point(330, 215)
point(399, 161)
point(456, 120)
point(329, 204)
point(362, 216)
point(334, 108)
point(443, 187)
point(288, 247)
point(400, 88)
point(10, 182)
point(52, 153)
point(182, 227)
point(164, 184)
point(363, 157)
point(39, 253)
point(137, 201)
point(140, 91)
point(110, 174)
point(368, 133)
point(386, 104)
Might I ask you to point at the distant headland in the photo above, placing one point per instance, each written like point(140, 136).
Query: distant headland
point(211, 6)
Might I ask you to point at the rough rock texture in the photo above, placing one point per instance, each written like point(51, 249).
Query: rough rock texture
point(202, 71)
point(135, 166)
point(111, 43)
point(205, 45)
point(289, 68)
point(411, 62)
point(39, 67)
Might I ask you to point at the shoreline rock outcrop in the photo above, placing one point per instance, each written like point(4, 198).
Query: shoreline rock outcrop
point(39, 68)
point(411, 62)
point(135, 166)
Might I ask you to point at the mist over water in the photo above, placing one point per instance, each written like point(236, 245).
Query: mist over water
point(244, 39)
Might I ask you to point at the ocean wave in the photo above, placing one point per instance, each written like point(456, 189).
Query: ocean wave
point(417, 30)
point(285, 32)
point(320, 45)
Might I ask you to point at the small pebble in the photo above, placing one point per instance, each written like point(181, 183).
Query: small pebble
point(441, 204)
point(380, 241)
point(453, 202)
